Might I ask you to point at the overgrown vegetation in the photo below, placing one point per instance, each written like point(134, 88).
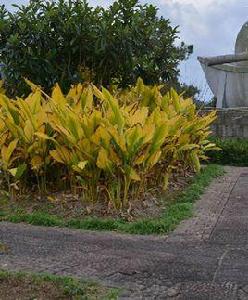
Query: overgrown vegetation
point(69, 42)
point(234, 151)
point(104, 146)
point(176, 211)
point(21, 285)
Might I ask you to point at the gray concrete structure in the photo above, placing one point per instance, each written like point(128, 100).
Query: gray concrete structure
point(230, 123)
point(227, 75)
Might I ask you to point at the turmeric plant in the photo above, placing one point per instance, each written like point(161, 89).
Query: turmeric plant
point(108, 142)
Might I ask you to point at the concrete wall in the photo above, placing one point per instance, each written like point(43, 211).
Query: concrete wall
point(231, 123)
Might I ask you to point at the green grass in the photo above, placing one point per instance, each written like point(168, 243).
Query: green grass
point(178, 210)
point(234, 152)
point(66, 287)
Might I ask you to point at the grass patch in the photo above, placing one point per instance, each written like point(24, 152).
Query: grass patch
point(43, 286)
point(234, 152)
point(175, 212)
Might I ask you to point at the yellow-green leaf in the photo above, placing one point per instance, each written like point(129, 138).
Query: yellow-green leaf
point(134, 175)
point(103, 161)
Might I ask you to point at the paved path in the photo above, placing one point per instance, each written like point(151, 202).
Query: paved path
point(205, 258)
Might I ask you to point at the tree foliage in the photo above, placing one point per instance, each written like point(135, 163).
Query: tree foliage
point(69, 42)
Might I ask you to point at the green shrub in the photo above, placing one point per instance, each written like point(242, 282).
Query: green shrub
point(234, 152)
point(69, 42)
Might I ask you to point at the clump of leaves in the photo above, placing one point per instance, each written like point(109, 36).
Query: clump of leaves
point(107, 144)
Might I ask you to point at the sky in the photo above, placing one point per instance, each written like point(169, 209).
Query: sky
point(211, 26)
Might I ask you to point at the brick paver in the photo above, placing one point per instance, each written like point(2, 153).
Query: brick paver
point(205, 258)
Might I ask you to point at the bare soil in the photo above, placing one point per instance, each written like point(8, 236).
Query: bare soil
point(27, 287)
point(69, 205)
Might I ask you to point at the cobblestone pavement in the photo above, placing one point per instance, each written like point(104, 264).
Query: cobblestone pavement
point(205, 258)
